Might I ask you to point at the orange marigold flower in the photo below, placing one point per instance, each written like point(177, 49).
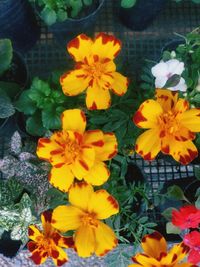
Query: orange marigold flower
point(95, 70)
point(74, 152)
point(172, 126)
point(48, 243)
point(83, 215)
point(156, 255)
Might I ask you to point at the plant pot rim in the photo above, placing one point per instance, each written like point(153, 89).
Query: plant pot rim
point(101, 2)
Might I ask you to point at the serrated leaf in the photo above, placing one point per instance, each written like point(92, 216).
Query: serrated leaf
point(34, 125)
point(16, 143)
point(51, 118)
point(25, 104)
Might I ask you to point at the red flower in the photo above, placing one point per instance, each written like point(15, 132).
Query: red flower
point(186, 217)
point(192, 240)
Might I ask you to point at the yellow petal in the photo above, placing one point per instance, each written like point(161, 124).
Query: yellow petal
point(80, 47)
point(120, 84)
point(191, 119)
point(97, 98)
point(46, 217)
point(110, 148)
point(105, 239)
point(94, 138)
point(106, 46)
point(147, 114)
point(83, 163)
point(62, 241)
point(148, 144)
point(61, 177)
point(145, 260)
point(34, 232)
point(45, 147)
point(176, 254)
point(65, 218)
point(98, 174)
point(154, 244)
point(80, 195)
point(74, 120)
point(74, 82)
point(183, 152)
point(84, 241)
point(59, 256)
point(103, 204)
point(166, 99)
point(181, 106)
point(39, 256)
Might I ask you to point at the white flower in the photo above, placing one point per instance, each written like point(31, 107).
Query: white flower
point(165, 70)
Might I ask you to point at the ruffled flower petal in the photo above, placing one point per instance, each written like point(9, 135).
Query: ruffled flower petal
point(120, 84)
point(106, 46)
point(74, 82)
point(34, 232)
point(191, 119)
point(65, 218)
point(59, 256)
point(97, 98)
point(103, 204)
point(166, 99)
point(147, 114)
point(80, 47)
point(105, 239)
point(98, 174)
point(85, 241)
point(160, 69)
point(148, 144)
point(110, 148)
point(45, 147)
point(80, 195)
point(74, 120)
point(61, 177)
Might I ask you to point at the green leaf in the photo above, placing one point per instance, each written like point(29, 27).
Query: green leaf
point(25, 104)
point(6, 53)
point(51, 117)
point(175, 192)
point(34, 125)
point(196, 98)
point(197, 172)
point(6, 107)
point(49, 16)
point(87, 2)
point(128, 3)
point(10, 88)
point(172, 229)
point(197, 203)
point(172, 81)
point(167, 214)
point(61, 15)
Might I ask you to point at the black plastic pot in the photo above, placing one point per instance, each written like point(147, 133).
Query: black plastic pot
point(18, 23)
point(9, 247)
point(142, 14)
point(70, 28)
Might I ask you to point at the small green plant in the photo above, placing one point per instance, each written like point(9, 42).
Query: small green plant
point(128, 3)
point(7, 89)
point(43, 104)
point(58, 11)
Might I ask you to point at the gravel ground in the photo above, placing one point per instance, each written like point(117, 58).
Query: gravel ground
point(22, 259)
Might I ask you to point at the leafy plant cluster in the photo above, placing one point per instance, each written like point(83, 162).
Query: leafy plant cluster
point(15, 210)
point(43, 104)
point(8, 89)
point(131, 224)
point(59, 10)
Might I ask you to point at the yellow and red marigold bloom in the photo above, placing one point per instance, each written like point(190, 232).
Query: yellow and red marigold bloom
point(74, 152)
point(83, 215)
point(48, 243)
point(156, 255)
point(172, 126)
point(95, 70)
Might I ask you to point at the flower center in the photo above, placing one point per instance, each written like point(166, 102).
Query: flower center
point(44, 243)
point(169, 123)
point(72, 149)
point(89, 219)
point(94, 68)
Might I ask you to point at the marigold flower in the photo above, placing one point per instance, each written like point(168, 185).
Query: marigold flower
point(48, 243)
point(74, 152)
point(165, 70)
point(83, 215)
point(187, 217)
point(155, 253)
point(172, 126)
point(95, 70)
point(192, 240)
